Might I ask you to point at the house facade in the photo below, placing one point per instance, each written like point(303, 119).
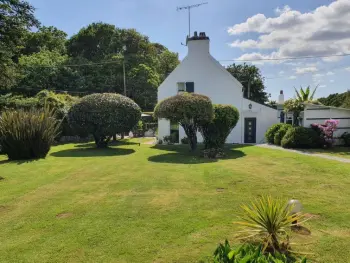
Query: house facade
point(200, 73)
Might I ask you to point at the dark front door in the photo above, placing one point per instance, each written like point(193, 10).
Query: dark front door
point(250, 130)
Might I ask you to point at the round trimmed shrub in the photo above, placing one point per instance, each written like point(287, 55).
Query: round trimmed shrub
point(280, 134)
point(300, 137)
point(270, 133)
point(216, 132)
point(190, 110)
point(28, 134)
point(104, 115)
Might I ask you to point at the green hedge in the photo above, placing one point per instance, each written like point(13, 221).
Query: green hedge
point(216, 131)
point(280, 134)
point(270, 133)
point(300, 137)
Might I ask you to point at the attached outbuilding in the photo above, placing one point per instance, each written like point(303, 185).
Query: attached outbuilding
point(320, 113)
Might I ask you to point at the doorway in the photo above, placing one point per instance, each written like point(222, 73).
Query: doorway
point(250, 130)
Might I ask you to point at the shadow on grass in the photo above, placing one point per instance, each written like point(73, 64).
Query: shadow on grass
point(18, 162)
point(93, 152)
point(184, 156)
point(116, 143)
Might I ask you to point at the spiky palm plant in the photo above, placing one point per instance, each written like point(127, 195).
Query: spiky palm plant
point(268, 221)
point(305, 95)
point(28, 134)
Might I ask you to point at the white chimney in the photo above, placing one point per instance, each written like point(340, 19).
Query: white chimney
point(281, 98)
point(198, 45)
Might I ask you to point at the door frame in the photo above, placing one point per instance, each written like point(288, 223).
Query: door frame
point(246, 131)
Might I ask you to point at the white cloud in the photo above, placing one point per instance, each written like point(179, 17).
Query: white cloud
point(322, 32)
point(322, 86)
point(292, 77)
point(281, 72)
point(305, 70)
point(347, 69)
point(331, 80)
point(285, 9)
point(330, 73)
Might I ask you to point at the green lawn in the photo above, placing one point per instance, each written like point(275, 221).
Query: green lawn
point(343, 152)
point(136, 203)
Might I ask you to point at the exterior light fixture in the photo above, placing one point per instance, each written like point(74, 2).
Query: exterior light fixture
point(296, 208)
point(250, 106)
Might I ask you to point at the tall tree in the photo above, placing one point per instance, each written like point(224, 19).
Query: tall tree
point(143, 86)
point(16, 17)
point(335, 100)
point(252, 80)
point(46, 38)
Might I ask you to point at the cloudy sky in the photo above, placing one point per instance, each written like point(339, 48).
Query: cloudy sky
point(267, 31)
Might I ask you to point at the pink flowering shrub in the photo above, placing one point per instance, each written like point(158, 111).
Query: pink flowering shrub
point(326, 131)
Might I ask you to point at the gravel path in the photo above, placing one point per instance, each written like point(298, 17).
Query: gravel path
point(324, 156)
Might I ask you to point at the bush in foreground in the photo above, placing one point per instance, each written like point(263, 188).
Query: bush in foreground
point(217, 130)
point(28, 134)
point(190, 110)
point(280, 134)
point(270, 133)
point(104, 115)
point(224, 253)
point(300, 137)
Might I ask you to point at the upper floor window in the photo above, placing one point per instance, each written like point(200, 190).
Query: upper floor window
point(185, 87)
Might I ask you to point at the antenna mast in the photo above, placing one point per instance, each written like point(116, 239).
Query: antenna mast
point(189, 7)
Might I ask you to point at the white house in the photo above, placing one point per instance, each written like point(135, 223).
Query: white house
point(200, 73)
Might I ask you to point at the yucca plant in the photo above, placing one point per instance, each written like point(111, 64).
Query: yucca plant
point(28, 134)
point(269, 222)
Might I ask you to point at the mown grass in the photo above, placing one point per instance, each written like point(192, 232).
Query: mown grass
point(343, 152)
point(134, 203)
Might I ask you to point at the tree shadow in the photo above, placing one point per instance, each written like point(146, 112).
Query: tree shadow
point(18, 162)
point(93, 152)
point(113, 143)
point(187, 157)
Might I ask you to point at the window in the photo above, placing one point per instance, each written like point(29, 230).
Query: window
point(185, 87)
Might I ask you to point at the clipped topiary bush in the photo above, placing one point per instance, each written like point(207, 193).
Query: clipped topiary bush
point(104, 115)
point(190, 110)
point(300, 137)
point(280, 134)
point(216, 131)
point(28, 134)
point(270, 133)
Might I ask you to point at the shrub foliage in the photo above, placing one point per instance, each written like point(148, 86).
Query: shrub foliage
point(224, 253)
point(216, 131)
point(280, 134)
point(104, 115)
point(270, 133)
point(189, 109)
point(28, 134)
point(300, 137)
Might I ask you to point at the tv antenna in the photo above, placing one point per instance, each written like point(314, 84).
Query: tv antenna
point(189, 7)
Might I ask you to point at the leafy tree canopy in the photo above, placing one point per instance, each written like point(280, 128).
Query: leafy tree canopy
point(16, 17)
point(189, 109)
point(250, 75)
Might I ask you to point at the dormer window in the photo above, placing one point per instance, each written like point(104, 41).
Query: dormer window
point(185, 87)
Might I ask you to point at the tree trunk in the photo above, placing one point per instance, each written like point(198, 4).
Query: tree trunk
point(191, 133)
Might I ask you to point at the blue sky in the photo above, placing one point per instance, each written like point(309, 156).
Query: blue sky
point(283, 29)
